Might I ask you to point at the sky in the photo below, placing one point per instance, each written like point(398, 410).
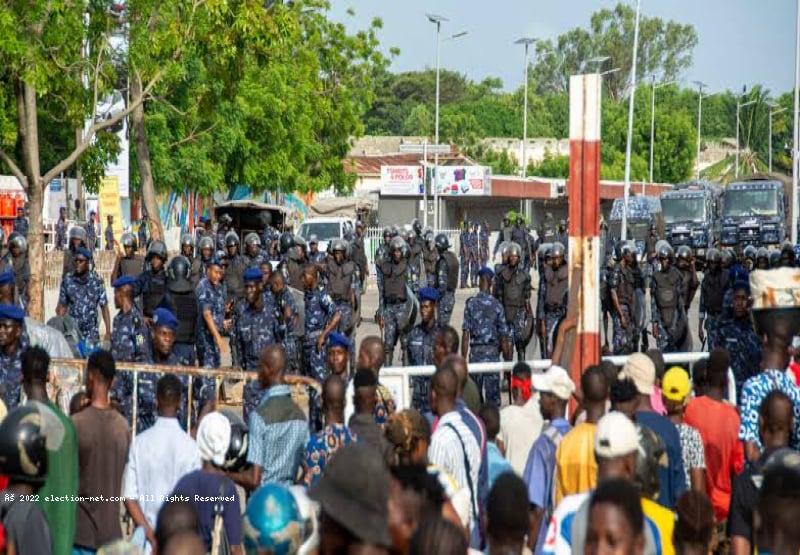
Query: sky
point(740, 42)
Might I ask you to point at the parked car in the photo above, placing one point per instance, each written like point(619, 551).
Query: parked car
point(326, 230)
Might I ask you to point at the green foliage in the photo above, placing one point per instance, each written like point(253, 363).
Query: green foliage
point(419, 121)
point(553, 165)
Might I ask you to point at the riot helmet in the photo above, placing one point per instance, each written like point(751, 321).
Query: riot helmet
point(77, 232)
point(774, 259)
point(416, 226)
point(157, 248)
point(684, 253)
point(285, 242)
point(557, 250)
point(664, 252)
point(231, 239)
point(713, 256)
point(23, 444)
point(128, 239)
point(725, 258)
point(762, 259)
point(442, 242)
point(397, 243)
point(514, 250)
point(338, 245)
point(205, 243)
point(226, 219)
point(252, 239)
point(18, 241)
point(179, 273)
point(750, 253)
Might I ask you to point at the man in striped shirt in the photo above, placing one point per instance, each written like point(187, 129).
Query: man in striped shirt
point(453, 447)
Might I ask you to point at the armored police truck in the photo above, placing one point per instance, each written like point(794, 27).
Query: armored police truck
point(691, 216)
point(755, 211)
point(642, 213)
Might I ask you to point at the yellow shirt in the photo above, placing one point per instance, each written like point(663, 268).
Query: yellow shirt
point(664, 520)
point(576, 468)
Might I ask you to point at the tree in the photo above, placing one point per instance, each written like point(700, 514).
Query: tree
point(665, 48)
point(419, 122)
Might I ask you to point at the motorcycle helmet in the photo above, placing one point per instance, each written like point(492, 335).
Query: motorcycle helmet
point(24, 442)
point(272, 521)
point(236, 457)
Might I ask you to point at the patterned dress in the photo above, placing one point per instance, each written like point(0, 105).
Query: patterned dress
point(321, 446)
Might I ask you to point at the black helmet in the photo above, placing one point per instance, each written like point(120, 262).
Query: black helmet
point(23, 445)
point(77, 232)
point(762, 253)
point(387, 231)
point(774, 259)
point(338, 245)
point(541, 252)
point(397, 243)
point(557, 250)
point(750, 252)
point(157, 248)
point(665, 252)
point(442, 242)
point(627, 247)
point(236, 457)
point(725, 257)
point(299, 241)
point(713, 256)
point(416, 226)
point(179, 268)
point(128, 239)
point(409, 235)
point(684, 253)
point(515, 250)
point(285, 242)
point(18, 240)
point(205, 242)
point(394, 231)
point(252, 239)
point(231, 239)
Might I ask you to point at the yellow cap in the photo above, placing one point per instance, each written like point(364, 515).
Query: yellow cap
point(676, 385)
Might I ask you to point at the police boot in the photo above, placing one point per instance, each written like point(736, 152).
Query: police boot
point(389, 358)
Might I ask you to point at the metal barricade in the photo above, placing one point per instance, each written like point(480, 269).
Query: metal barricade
point(397, 379)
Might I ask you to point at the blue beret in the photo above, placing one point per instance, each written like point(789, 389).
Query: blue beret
point(252, 274)
point(83, 251)
point(214, 260)
point(7, 277)
point(11, 312)
point(162, 317)
point(336, 339)
point(204, 220)
point(741, 284)
point(428, 294)
point(123, 281)
point(485, 271)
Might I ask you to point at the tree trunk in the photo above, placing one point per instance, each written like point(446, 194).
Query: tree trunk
point(145, 167)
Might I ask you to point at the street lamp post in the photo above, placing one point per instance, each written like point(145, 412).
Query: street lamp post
point(627, 188)
point(796, 132)
point(772, 113)
point(525, 41)
point(653, 118)
point(739, 106)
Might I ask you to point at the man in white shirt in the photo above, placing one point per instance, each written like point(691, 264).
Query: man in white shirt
point(453, 447)
point(157, 459)
point(520, 422)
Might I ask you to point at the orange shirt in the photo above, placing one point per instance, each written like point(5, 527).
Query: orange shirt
point(718, 424)
point(576, 467)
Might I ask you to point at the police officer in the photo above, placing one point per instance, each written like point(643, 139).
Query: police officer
point(109, 233)
point(77, 239)
point(289, 332)
point(82, 291)
point(91, 232)
point(253, 254)
point(187, 246)
point(556, 288)
point(141, 233)
point(342, 282)
point(505, 234)
point(474, 255)
point(668, 311)
point(200, 232)
point(622, 292)
point(359, 256)
point(61, 229)
point(205, 248)
point(183, 305)
point(485, 335)
point(164, 329)
point(13, 344)
point(315, 256)
point(788, 257)
point(513, 291)
point(483, 244)
point(446, 272)
point(129, 336)
point(429, 256)
point(322, 317)
point(762, 259)
point(520, 236)
point(151, 284)
point(212, 309)
point(223, 228)
point(774, 259)
point(606, 306)
point(419, 346)
point(236, 267)
point(685, 263)
point(129, 263)
point(16, 259)
point(393, 296)
point(291, 261)
point(712, 292)
point(415, 265)
point(650, 244)
point(749, 254)
point(21, 223)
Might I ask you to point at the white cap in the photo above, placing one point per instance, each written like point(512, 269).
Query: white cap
point(640, 368)
point(615, 436)
point(555, 380)
point(214, 437)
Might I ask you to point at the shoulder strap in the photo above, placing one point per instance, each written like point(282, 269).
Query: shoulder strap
point(468, 469)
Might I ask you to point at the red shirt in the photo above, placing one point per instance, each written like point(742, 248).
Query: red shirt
point(718, 424)
point(794, 368)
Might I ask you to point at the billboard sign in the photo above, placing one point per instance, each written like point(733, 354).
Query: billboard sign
point(402, 180)
point(464, 181)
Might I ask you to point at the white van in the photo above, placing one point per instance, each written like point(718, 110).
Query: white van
point(326, 230)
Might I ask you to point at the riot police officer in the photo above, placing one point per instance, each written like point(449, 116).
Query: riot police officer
point(556, 288)
point(151, 284)
point(419, 346)
point(129, 263)
point(184, 307)
point(668, 310)
point(446, 270)
point(359, 256)
point(16, 259)
point(253, 253)
point(685, 263)
point(291, 262)
point(485, 335)
point(429, 256)
point(464, 247)
point(513, 290)
point(762, 259)
point(236, 267)
point(750, 253)
point(650, 244)
point(129, 341)
point(483, 244)
point(212, 320)
point(321, 318)
point(187, 246)
point(223, 228)
point(61, 229)
point(393, 296)
point(77, 239)
point(205, 249)
point(414, 258)
point(520, 236)
point(342, 284)
point(788, 257)
point(315, 256)
point(621, 290)
point(712, 292)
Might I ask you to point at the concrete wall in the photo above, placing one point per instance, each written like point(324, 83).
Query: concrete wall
point(398, 210)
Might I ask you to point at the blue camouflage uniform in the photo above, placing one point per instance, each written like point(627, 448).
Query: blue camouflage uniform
point(82, 295)
point(254, 261)
point(61, 233)
point(286, 334)
point(463, 256)
point(392, 305)
point(483, 247)
point(485, 321)
point(21, 226)
point(447, 295)
point(213, 298)
point(129, 336)
point(91, 234)
point(320, 308)
point(621, 280)
point(419, 347)
point(11, 364)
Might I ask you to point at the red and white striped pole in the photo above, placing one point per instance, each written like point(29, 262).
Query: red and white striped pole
point(585, 92)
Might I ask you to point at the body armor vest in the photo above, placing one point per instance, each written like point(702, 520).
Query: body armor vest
point(154, 292)
point(668, 294)
point(340, 280)
point(452, 270)
point(186, 314)
point(713, 289)
point(130, 266)
point(557, 285)
point(625, 285)
point(513, 292)
point(295, 273)
point(234, 278)
point(394, 281)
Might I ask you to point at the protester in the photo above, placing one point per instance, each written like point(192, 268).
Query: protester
point(616, 521)
point(777, 513)
point(103, 441)
point(174, 519)
point(521, 421)
point(446, 343)
point(414, 496)
point(676, 390)
point(440, 536)
point(656, 399)
point(362, 424)
point(694, 526)
point(496, 463)
point(372, 355)
point(507, 516)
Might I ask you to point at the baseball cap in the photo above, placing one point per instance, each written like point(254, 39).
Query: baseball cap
point(640, 368)
point(676, 386)
point(555, 380)
point(354, 491)
point(778, 288)
point(615, 436)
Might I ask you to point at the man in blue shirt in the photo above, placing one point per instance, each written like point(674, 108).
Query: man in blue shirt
point(555, 388)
